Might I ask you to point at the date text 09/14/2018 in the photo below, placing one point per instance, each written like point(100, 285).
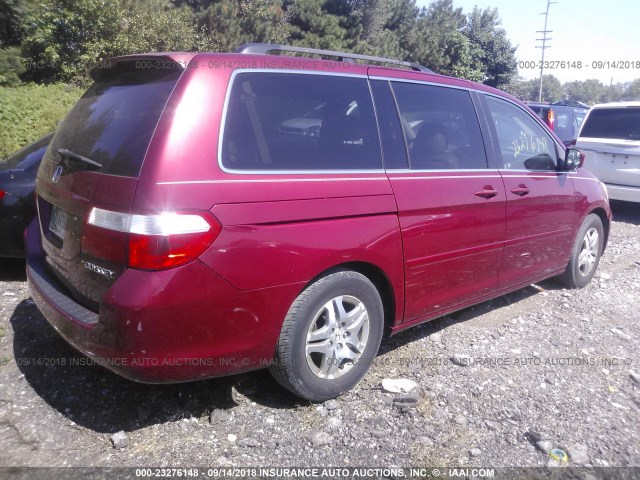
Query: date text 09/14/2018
point(579, 65)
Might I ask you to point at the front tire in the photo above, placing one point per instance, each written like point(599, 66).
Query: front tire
point(585, 254)
point(330, 336)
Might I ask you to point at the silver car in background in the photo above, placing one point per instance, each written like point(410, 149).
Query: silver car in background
point(610, 139)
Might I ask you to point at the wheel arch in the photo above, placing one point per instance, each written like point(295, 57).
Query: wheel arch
point(380, 280)
point(606, 224)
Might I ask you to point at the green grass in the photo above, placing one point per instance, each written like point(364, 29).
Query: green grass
point(30, 111)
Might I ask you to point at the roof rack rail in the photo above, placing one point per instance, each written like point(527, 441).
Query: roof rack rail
point(267, 48)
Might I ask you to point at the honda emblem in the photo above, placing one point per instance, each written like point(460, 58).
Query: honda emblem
point(56, 174)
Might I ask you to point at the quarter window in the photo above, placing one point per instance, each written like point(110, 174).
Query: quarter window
point(524, 143)
point(288, 121)
point(440, 126)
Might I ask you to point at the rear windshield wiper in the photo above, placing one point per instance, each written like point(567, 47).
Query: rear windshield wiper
point(69, 155)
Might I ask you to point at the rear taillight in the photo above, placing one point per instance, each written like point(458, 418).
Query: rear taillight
point(551, 119)
point(149, 242)
point(2, 193)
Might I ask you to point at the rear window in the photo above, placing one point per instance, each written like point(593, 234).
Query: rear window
point(114, 120)
point(614, 123)
point(290, 121)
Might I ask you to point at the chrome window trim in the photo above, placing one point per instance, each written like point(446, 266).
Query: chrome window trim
point(490, 173)
point(443, 170)
point(276, 180)
point(439, 177)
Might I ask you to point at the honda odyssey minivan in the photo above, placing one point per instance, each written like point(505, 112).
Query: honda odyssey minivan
point(184, 233)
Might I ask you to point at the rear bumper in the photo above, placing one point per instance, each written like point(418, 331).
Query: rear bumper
point(182, 324)
point(622, 192)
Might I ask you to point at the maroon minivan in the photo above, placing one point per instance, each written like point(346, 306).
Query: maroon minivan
point(204, 214)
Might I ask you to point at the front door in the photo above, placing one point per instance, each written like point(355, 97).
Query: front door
point(541, 201)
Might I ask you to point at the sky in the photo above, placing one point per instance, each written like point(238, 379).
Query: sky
point(592, 32)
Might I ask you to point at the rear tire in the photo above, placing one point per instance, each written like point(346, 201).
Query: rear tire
point(329, 337)
point(585, 254)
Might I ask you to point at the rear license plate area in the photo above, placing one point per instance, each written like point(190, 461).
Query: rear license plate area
point(58, 222)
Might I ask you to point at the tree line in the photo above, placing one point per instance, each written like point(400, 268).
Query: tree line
point(589, 91)
point(56, 40)
point(49, 41)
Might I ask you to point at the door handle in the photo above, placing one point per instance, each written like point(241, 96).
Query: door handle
point(487, 192)
point(521, 190)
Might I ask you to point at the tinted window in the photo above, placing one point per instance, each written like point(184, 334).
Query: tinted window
point(565, 124)
point(441, 127)
point(524, 143)
point(282, 121)
point(113, 122)
point(393, 147)
point(614, 123)
point(540, 111)
point(580, 114)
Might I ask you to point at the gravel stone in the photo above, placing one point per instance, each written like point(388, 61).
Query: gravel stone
point(460, 420)
point(219, 416)
point(248, 442)
point(334, 423)
point(545, 446)
point(398, 385)
point(321, 439)
point(493, 426)
point(331, 404)
point(475, 452)
point(579, 454)
point(120, 440)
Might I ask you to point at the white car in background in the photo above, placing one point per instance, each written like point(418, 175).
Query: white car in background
point(610, 139)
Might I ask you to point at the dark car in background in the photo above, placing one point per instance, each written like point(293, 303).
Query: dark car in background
point(563, 117)
point(17, 206)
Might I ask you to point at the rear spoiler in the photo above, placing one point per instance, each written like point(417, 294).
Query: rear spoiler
point(160, 61)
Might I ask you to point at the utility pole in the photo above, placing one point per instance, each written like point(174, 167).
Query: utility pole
point(544, 45)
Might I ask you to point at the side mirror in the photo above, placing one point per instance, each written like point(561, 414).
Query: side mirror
point(573, 159)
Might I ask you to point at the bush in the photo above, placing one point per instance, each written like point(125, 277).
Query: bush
point(63, 38)
point(30, 111)
point(11, 67)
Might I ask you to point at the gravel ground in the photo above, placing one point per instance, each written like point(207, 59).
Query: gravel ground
point(498, 384)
